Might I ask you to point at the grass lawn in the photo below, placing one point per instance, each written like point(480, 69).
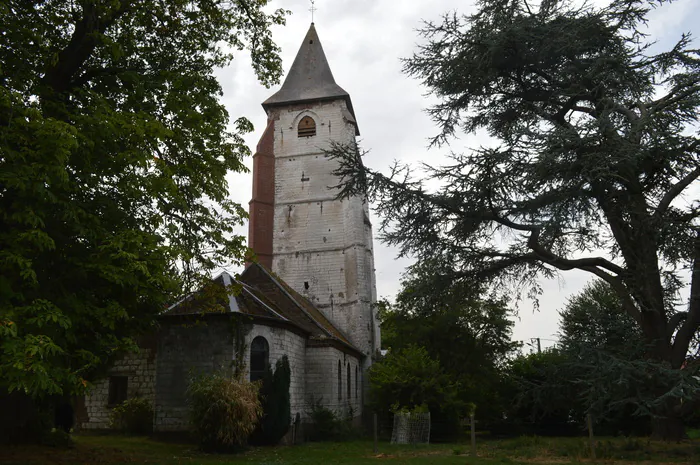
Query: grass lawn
point(523, 450)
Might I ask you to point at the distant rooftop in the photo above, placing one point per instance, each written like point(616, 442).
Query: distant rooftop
point(310, 78)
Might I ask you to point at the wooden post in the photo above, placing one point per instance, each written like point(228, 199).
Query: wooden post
point(473, 426)
point(376, 449)
point(591, 441)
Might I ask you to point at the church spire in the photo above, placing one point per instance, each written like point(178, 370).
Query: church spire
point(310, 78)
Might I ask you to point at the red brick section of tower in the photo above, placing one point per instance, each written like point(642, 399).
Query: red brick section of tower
point(262, 205)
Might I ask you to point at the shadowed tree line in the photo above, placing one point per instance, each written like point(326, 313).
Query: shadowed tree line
point(595, 159)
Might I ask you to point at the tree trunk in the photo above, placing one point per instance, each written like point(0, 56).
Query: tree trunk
point(667, 424)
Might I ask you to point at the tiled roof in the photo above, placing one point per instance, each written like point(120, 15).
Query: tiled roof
point(310, 78)
point(262, 294)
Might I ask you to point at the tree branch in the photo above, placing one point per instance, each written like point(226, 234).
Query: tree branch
point(569, 264)
point(675, 191)
point(81, 45)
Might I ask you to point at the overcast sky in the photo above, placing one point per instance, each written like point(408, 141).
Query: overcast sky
point(363, 41)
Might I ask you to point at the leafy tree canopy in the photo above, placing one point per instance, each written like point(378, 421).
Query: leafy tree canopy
point(597, 145)
point(114, 148)
point(595, 319)
point(598, 367)
point(410, 378)
point(469, 336)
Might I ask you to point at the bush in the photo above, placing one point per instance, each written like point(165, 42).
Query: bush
point(276, 405)
point(224, 411)
point(410, 378)
point(133, 416)
point(327, 425)
point(57, 438)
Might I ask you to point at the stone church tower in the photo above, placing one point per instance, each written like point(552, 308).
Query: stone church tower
point(320, 246)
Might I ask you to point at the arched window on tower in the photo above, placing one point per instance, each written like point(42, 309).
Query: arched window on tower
point(348, 382)
point(340, 381)
point(259, 358)
point(307, 127)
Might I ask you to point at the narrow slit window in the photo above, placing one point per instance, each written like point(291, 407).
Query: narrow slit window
point(356, 382)
point(340, 381)
point(307, 127)
point(349, 382)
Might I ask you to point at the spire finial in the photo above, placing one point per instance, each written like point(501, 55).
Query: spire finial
point(312, 10)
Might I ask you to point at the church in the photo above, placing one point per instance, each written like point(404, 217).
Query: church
point(310, 293)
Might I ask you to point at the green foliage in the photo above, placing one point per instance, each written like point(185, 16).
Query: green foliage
point(114, 149)
point(595, 330)
point(325, 424)
point(601, 367)
point(409, 378)
point(133, 416)
point(595, 319)
point(276, 404)
point(543, 399)
point(57, 438)
point(224, 411)
point(468, 335)
point(595, 140)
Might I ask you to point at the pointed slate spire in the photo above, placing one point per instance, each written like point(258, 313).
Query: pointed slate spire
point(310, 78)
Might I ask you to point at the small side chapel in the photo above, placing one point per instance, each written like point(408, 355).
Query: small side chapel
point(309, 296)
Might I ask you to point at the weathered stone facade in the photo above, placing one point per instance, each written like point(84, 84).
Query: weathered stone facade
point(187, 349)
point(323, 382)
point(140, 370)
point(284, 342)
point(320, 244)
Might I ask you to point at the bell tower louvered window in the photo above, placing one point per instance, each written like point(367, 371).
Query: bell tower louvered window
point(307, 127)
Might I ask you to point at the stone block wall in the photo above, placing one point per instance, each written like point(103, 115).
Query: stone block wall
point(187, 349)
point(284, 342)
point(322, 379)
point(139, 368)
point(322, 246)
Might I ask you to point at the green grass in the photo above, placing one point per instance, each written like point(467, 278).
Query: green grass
point(517, 451)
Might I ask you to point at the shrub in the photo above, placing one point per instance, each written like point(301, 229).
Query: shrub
point(276, 404)
point(224, 411)
point(133, 416)
point(410, 378)
point(327, 425)
point(57, 438)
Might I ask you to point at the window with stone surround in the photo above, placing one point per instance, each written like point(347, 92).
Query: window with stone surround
point(118, 386)
point(306, 127)
point(259, 358)
point(349, 383)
